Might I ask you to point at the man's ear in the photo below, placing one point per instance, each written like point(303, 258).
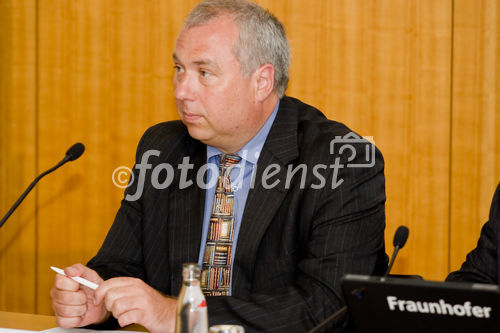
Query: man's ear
point(264, 82)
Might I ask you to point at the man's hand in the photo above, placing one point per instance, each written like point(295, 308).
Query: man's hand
point(73, 303)
point(131, 301)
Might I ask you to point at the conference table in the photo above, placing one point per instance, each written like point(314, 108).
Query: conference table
point(26, 321)
point(35, 322)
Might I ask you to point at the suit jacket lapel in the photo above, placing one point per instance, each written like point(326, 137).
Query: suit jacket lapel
point(185, 212)
point(263, 201)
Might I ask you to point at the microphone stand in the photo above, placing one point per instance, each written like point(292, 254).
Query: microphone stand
point(72, 154)
point(340, 315)
point(28, 190)
point(337, 317)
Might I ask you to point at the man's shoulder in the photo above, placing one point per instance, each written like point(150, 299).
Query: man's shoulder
point(312, 123)
point(170, 138)
point(495, 207)
point(167, 129)
point(163, 133)
point(317, 138)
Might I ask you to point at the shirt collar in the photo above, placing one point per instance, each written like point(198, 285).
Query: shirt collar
point(251, 151)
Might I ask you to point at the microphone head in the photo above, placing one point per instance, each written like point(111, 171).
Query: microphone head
point(401, 236)
point(75, 151)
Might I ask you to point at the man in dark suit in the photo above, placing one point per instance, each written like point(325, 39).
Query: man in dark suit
point(481, 264)
point(308, 201)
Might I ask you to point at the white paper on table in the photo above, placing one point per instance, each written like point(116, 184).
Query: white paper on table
point(62, 330)
point(78, 330)
point(13, 330)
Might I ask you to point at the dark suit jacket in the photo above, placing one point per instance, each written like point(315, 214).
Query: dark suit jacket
point(295, 241)
point(482, 263)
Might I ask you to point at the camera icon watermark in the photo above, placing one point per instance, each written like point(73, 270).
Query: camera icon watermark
point(350, 143)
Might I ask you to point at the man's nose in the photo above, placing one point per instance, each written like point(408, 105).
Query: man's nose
point(183, 87)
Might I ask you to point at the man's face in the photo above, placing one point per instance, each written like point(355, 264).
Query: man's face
point(213, 99)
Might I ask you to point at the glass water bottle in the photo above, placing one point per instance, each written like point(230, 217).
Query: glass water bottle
point(191, 305)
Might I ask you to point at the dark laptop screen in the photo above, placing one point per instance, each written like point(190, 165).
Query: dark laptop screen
point(404, 305)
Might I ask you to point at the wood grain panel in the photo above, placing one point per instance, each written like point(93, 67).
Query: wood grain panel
point(383, 68)
point(411, 103)
point(17, 154)
point(105, 77)
point(476, 122)
point(427, 91)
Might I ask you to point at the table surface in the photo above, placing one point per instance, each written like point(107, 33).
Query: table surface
point(26, 321)
point(34, 322)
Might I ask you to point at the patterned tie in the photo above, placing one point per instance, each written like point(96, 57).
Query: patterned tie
point(216, 270)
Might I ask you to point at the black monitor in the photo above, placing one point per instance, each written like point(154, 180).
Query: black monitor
point(386, 305)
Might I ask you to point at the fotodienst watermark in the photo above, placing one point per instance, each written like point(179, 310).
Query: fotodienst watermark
point(349, 151)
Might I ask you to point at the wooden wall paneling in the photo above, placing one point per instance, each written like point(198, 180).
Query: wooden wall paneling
point(476, 122)
point(411, 112)
point(383, 68)
point(331, 58)
point(105, 77)
point(75, 104)
point(406, 109)
point(17, 154)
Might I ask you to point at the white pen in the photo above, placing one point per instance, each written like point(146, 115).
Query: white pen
point(78, 279)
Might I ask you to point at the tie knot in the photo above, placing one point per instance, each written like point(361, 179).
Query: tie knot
point(228, 160)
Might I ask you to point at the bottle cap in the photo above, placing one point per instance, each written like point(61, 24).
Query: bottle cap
point(191, 271)
point(227, 329)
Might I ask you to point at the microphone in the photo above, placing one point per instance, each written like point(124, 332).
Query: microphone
point(74, 152)
point(400, 238)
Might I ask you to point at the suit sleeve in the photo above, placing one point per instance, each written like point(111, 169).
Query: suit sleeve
point(346, 235)
point(481, 264)
point(121, 252)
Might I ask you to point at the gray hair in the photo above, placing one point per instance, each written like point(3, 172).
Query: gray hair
point(262, 37)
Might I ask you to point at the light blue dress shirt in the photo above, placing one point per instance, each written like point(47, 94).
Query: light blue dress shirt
point(240, 182)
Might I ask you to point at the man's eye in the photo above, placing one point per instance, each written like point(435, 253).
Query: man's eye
point(204, 73)
point(178, 69)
